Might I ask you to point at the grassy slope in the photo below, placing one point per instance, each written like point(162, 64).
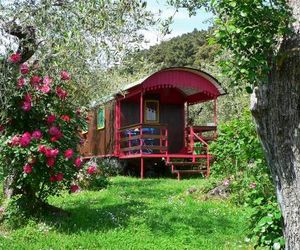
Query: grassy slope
point(134, 214)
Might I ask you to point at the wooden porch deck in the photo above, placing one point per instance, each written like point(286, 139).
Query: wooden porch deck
point(142, 141)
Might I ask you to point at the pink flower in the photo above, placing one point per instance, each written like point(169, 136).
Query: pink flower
point(45, 88)
point(226, 182)
point(26, 106)
point(35, 80)
point(21, 82)
point(53, 139)
point(78, 111)
point(59, 176)
point(64, 75)
point(91, 169)
point(65, 118)
point(74, 188)
point(24, 68)
point(51, 153)
point(15, 141)
point(54, 152)
point(47, 80)
point(252, 185)
point(15, 58)
point(1, 128)
point(78, 162)
point(42, 149)
point(25, 139)
point(50, 162)
point(55, 131)
point(52, 178)
point(69, 153)
point(28, 98)
point(62, 94)
point(27, 169)
point(37, 134)
point(51, 118)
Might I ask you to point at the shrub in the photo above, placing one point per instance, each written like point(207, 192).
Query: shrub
point(93, 176)
point(111, 166)
point(240, 161)
point(40, 132)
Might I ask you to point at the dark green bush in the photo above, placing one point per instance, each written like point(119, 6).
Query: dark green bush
point(239, 160)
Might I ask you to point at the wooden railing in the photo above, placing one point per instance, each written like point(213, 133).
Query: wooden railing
point(198, 142)
point(202, 134)
point(144, 138)
point(199, 137)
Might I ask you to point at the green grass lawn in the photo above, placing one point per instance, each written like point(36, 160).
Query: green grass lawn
point(135, 214)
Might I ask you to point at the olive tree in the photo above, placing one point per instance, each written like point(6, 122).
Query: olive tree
point(53, 55)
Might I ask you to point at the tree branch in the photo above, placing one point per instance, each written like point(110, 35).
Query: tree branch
point(27, 39)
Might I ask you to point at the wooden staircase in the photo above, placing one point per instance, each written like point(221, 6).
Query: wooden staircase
point(197, 148)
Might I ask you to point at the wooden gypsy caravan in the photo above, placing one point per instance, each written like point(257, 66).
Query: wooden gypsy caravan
point(146, 124)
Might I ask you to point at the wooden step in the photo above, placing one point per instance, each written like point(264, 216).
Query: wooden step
point(196, 171)
point(180, 172)
point(204, 138)
point(182, 163)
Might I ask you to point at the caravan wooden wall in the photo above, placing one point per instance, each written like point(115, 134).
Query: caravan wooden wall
point(100, 141)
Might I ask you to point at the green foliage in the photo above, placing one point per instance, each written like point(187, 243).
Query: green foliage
point(237, 146)
point(136, 214)
point(111, 166)
point(267, 223)
point(188, 50)
point(250, 31)
point(239, 158)
point(93, 176)
point(85, 37)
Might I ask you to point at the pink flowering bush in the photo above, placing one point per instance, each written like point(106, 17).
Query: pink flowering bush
point(92, 176)
point(40, 133)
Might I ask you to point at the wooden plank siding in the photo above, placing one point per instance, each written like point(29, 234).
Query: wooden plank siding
point(100, 141)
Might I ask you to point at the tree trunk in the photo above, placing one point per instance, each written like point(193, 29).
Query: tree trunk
point(276, 109)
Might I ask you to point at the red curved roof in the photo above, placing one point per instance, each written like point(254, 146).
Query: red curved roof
point(196, 85)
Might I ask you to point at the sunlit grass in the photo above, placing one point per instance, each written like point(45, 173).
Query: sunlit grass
point(135, 214)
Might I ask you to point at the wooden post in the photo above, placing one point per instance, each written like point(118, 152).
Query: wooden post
point(208, 165)
point(166, 142)
point(142, 168)
point(215, 117)
point(141, 108)
point(117, 127)
point(178, 176)
point(129, 140)
point(186, 119)
point(141, 133)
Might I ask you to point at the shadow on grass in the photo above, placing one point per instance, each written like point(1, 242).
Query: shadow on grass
point(87, 218)
point(142, 203)
point(164, 220)
point(193, 224)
